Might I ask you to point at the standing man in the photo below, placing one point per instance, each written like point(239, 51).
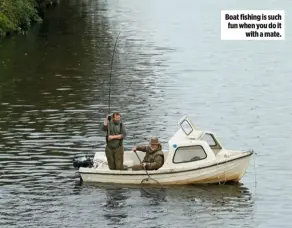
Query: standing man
point(116, 133)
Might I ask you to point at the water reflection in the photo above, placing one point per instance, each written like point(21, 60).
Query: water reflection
point(213, 193)
point(214, 201)
point(155, 196)
point(204, 204)
point(115, 207)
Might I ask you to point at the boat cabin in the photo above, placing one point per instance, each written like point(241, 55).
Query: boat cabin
point(188, 147)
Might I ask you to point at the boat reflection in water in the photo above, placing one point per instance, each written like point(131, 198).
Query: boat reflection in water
point(204, 203)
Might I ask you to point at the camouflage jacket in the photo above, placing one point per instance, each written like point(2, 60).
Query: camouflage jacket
point(154, 158)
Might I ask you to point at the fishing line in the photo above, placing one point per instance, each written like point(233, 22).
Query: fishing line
point(254, 163)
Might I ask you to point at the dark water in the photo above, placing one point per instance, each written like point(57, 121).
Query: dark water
point(169, 61)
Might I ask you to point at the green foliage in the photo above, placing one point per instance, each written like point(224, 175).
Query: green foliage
point(5, 25)
point(17, 15)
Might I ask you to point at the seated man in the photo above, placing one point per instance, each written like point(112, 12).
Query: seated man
point(154, 157)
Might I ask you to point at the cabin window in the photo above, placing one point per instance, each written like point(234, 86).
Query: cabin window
point(212, 142)
point(209, 139)
point(186, 126)
point(189, 154)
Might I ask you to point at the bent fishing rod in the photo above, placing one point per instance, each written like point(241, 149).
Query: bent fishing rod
point(109, 91)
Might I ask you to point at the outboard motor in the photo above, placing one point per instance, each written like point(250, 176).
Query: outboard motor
point(86, 162)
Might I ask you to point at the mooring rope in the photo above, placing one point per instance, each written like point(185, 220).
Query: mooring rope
point(254, 164)
point(255, 175)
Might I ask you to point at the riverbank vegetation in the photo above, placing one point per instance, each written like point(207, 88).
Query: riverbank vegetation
point(16, 16)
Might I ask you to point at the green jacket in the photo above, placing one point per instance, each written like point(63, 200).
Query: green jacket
point(115, 129)
point(154, 158)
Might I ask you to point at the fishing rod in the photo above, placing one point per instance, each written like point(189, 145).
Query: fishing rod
point(109, 91)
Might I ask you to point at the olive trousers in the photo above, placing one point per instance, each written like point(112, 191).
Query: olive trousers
point(115, 157)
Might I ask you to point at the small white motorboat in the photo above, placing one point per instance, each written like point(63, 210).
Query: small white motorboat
point(194, 157)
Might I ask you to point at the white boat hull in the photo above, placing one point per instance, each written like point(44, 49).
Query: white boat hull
point(225, 170)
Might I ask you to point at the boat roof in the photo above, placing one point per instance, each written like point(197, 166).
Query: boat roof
point(187, 130)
